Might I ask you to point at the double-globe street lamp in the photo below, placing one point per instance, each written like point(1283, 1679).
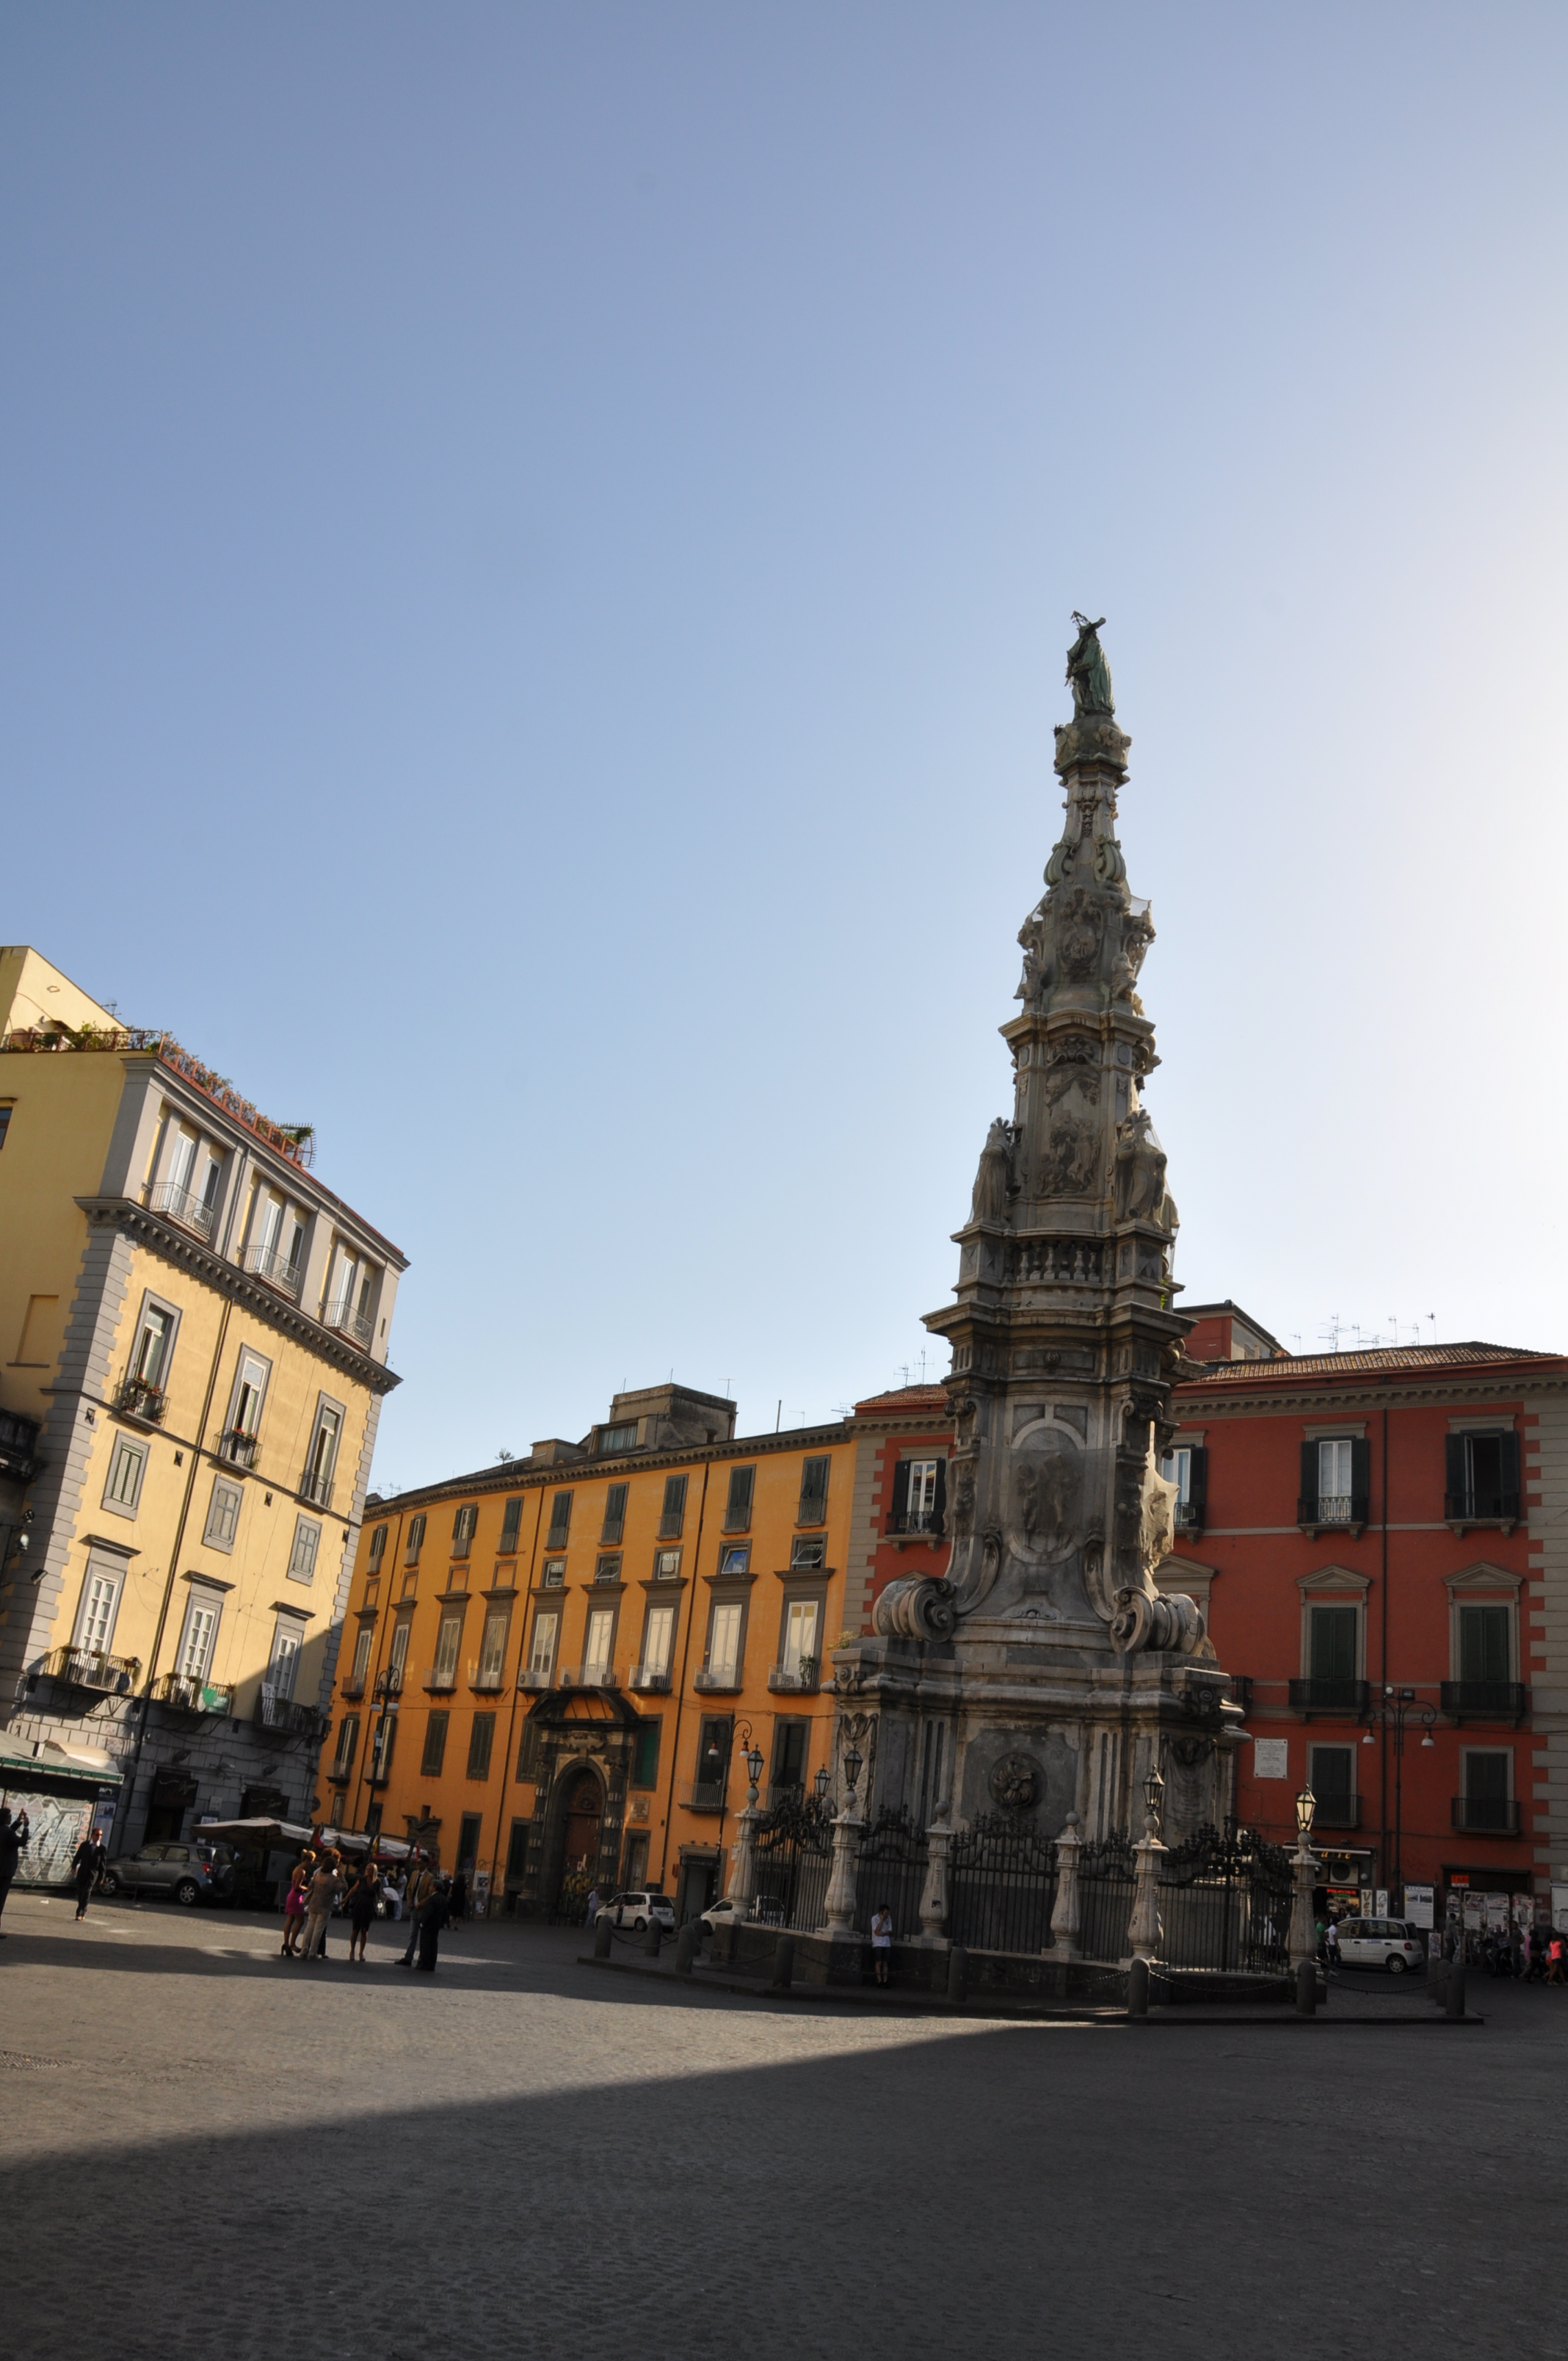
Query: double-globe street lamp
point(1392, 1714)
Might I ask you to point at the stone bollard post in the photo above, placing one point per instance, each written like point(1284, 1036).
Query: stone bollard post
point(1138, 1988)
point(1306, 1987)
point(652, 1938)
point(1065, 1912)
point(957, 1975)
point(934, 1894)
point(603, 1931)
point(784, 1963)
point(841, 1904)
point(685, 1948)
point(1453, 1998)
point(1144, 1930)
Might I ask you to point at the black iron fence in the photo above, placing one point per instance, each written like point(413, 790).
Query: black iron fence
point(1105, 1876)
point(1224, 1902)
point(793, 1859)
point(1001, 1887)
point(892, 1869)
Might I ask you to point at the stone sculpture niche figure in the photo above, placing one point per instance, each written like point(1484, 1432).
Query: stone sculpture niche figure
point(994, 1181)
point(1087, 673)
point(1139, 1177)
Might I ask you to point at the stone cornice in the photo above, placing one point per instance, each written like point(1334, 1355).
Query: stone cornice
point(1457, 1385)
point(178, 1247)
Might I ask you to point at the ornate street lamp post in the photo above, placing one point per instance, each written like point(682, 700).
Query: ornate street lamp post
point(1392, 1714)
point(1144, 1930)
point(1303, 1927)
point(716, 1762)
point(841, 1904)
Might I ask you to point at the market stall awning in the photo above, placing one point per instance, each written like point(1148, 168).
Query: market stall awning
point(267, 1833)
point(24, 1758)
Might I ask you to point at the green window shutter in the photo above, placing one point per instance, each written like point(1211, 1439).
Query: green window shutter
point(1483, 1644)
point(645, 1758)
point(738, 1508)
point(1307, 1499)
point(813, 1510)
point(510, 1521)
point(560, 1519)
point(481, 1737)
point(1360, 1480)
point(434, 1754)
point(614, 1514)
point(1334, 1643)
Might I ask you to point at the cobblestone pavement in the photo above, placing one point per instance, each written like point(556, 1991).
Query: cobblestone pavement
point(210, 2152)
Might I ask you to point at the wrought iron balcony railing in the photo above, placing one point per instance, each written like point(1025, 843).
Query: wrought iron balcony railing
point(591, 1676)
point(139, 1398)
point(182, 1207)
point(1337, 1812)
point(719, 1678)
point(440, 1678)
point(670, 1526)
point(1481, 1508)
point(1328, 1697)
point(1189, 1516)
point(188, 1695)
point(342, 1317)
point(282, 1713)
point(485, 1679)
point(18, 1444)
point(354, 1686)
point(235, 1446)
point(1330, 1508)
point(533, 1676)
point(1485, 1700)
point(1495, 1815)
point(317, 1489)
point(91, 1668)
point(914, 1520)
point(275, 1269)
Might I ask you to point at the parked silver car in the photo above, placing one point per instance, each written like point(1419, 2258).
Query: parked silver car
point(186, 1872)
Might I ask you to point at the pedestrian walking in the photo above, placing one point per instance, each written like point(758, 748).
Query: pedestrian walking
point(1331, 1946)
point(88, 1863)
point(1554, 1973)
point(13, 1834)
point(593, 1904)
point(323, 1892)
point(362, 1898)
point(881, 1941)
point(420, 1880)
point(432, 1919)
point(458, 1899)
point(1537, 1974)
point(295, 1909)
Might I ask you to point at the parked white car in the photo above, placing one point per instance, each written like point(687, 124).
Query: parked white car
point(722, 1914)
point(1392, 1944)
point(639, 1911)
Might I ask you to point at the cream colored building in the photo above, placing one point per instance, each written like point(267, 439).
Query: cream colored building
point(194, 1335)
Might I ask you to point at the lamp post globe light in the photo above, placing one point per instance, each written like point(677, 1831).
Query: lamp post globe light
point(822, 1782)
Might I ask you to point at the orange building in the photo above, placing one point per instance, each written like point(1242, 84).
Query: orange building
point(552, 1664)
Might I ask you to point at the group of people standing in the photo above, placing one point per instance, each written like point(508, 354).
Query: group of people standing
point(430, 1900)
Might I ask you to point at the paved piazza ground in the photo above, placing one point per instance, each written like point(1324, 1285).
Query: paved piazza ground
point(208, 2151)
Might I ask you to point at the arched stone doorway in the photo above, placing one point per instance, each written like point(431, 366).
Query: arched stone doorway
point(582, 1813)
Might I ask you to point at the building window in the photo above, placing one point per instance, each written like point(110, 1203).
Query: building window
point(347, 1744)
point(377, 1545)
point(1332, 1773)
point(398, 1656)
point(95, 1617)
point(493, 1647)
point(127, 1464)
point(223, 1514)
point(435, 1754)
point(554, 1575)
point(382, 1749)
point(645, 1756)
point(320, 1460)
point(302, 1556)
point(1333, 1647)
point(738, 1506)
point(241, 1434)
point(808, 1549)
point(614, 1515)
point(800, 1658)
point(919, 1497)
point(813, 1507)
point(666, 1565)
point(481, 1737)
point(1335, 1478)
point(197, 1640)
point(560, 1519)
point(786, 1770)
point(415, 1541)
point(516, 1848)
point(448, 1640)
point(736, 1560)
point(7, 1108)
point(1481, 1478)
point(360, 1670)
point(599, 1646)
point(673, 1514)
point(283, 1668)
point(151, 1355)
point(724, 1642)
point(658, 1642)
point(619, 1438)
point(1486, 1650)
point(713, 1759)
point(546, 1631)
point(510, 1521)
point(608, 1568)
point(463, 1526)
point(1487, 1805)
point(1186, 1467)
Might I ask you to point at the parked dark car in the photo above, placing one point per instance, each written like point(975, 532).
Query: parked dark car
point(187, 1872)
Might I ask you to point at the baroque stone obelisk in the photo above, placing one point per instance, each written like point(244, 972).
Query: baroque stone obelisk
point(1048, 1671)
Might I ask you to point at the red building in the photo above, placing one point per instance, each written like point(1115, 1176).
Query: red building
point(1359, 1528)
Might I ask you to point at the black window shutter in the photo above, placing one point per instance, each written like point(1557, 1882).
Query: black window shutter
point(1307, 1506)
point(510, 1523)
point(941, 1487)
point(900, 1492)
point(1508, 1463)
point(1198, 1480)
point(1453, 1475)
point(1360, 1479)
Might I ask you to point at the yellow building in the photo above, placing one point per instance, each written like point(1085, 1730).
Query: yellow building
point(194, 1337)
point(556, 1663)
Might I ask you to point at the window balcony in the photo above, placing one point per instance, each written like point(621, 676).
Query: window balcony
point(1337, 1812)
point(340, 1774)
point(651, 1680)
point(1463, 1508)
point(317, 1489)
point(1485, 1700)
point(705, 1795)
point(237, 1447)
point(379, 1773)
point(276, 1270)
point(799, 1677)
point(670, 1527)
point(389, 1683)
point(182, 1207)
point(1189, 1516)
point(139, 1398)
point(352, 1688)
point(591, 1676)
point(719, 1679)
point(914, 1520)
point(1332, 1512)
point(535, 1676)
point(188, 1695)
point(18, 1443)
point(440, 1679)
point(282, 1713)
point(1328, 1697)
point(343, 1317)
point(1239, 1689)
point(91, 1668)
point(486, 1679)
point(1486, 1815)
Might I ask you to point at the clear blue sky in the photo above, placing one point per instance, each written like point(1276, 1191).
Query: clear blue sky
point(539, 545)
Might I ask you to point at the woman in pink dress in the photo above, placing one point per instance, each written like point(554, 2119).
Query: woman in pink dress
point(294, 1911)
